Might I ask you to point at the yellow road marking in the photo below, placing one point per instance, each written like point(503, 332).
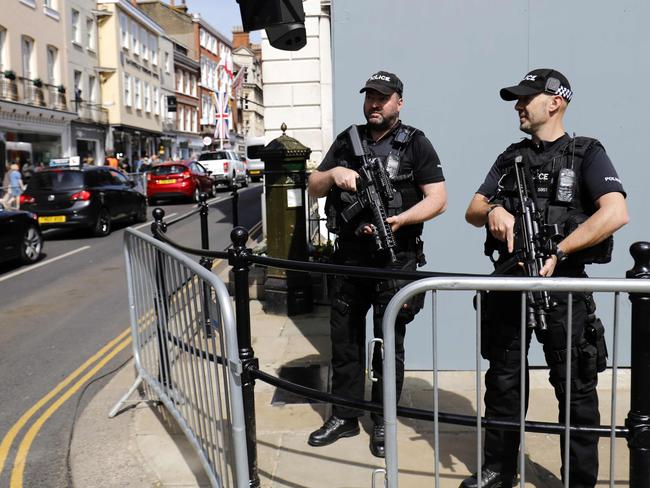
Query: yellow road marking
point(13, 432)
point(23, 449)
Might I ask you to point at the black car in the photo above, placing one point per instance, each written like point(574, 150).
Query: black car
point(20, 236)
point(91, 197)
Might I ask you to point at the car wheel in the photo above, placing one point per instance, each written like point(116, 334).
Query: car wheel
point(102, 225)
point(245, 183)
point(32, 245)
point(213, 190)
point(196, 195)
point(141, 216)
point(152, 201)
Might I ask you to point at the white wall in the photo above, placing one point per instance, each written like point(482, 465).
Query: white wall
point(297, 85)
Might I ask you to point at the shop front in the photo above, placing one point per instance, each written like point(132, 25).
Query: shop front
point(131, 145)
point(88, 142)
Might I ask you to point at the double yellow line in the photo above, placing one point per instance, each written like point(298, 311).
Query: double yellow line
point(103, 356)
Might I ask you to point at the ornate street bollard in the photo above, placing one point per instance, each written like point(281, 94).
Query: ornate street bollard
point(286, 292)
point(638, 418)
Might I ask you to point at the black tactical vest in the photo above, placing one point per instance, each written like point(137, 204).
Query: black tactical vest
point(544, 170)
point(402, 181)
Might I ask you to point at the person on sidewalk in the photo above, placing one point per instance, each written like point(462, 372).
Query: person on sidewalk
point(575, 186)
point(416, 174)
point(16, 187)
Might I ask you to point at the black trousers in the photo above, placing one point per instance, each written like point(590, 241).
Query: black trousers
point(351, 300)
point(502, 381)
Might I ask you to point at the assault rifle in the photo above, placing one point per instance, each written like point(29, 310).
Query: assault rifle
point(535, 243)
point(373, 189)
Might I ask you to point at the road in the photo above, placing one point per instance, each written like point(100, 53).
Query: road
point(55, 318)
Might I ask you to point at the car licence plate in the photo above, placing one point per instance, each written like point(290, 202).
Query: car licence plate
point(254, 171)
point(166, 182)
point(54, 219)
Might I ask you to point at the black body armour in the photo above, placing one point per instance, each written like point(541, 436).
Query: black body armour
point(556, 176)
point(393, 156)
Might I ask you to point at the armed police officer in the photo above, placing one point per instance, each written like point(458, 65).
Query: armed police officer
point(580, 202)
point(416, 177)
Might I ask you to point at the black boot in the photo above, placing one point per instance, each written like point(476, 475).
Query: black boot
point(333, 429)
point(377, 441)
point(489, 479)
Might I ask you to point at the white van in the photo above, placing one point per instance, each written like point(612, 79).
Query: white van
point(254, 165)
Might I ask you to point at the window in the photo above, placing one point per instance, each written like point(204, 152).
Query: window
point(181, 118)
point(144, 43)
point(92, 89)
point(153, 44)
point(138, 94)
point(193, 85)
point(179, 80)
point(187, 83)
point(124, 31)
point(168, 65)
point(27, 52)
point(76, 26)
point(3, 43)
point(77, 85)
point(90, 33)
point(194, 117)
point(52, 65)
point(188, 120)
point(128, 101)
point(147, 97)
point(156, 99)
point(202, 37)
point(135, 29)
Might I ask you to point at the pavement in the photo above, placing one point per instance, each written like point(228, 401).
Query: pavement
point(142, 447)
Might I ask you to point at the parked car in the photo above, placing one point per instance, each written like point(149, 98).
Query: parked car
point(187, 179)
point(91, 197)
point(254, 163)
point(226, 167)
point(20, 236)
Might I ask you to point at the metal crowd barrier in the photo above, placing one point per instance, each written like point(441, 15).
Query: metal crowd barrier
point(637, 425)
point(186, 352)
point(639, 288)
point(140, 181)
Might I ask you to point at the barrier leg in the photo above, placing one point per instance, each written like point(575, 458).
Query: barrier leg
point(638, 419)
point(238, 259)
point(122, 401)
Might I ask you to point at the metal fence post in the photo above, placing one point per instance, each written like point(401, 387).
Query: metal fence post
point(161, 310)
point(238, 259)
point(638, 418)
point(205, 261)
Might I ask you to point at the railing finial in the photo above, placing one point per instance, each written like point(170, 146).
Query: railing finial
point(640, 252)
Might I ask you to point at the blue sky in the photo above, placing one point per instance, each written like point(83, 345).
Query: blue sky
point(222, 14)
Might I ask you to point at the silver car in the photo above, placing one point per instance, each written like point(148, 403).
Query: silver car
point(225, 166)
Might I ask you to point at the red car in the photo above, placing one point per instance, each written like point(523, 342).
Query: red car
point(186, 179)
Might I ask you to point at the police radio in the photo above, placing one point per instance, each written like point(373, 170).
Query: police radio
point(566, 181)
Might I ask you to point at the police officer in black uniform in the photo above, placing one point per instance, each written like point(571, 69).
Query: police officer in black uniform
point(416, 173)
point(576, 187)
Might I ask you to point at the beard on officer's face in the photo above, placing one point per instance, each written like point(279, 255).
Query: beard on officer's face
point(377, 121)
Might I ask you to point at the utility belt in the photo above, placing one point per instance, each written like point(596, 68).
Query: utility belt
point(590, 353)
point(351, 245)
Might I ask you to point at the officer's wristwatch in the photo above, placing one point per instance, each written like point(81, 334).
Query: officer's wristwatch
point(561, 255)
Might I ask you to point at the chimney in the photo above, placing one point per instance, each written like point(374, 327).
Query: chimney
point(240, 38)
